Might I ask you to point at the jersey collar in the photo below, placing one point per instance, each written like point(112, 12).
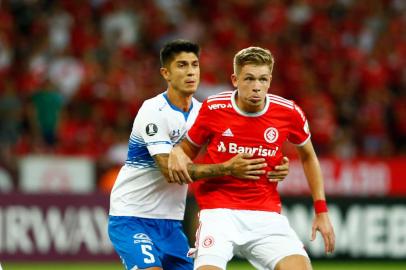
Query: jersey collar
point(185, 114)
point(256, 114)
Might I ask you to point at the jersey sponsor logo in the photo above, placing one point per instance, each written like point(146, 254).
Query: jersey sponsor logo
point(271, 134)
point(228, 133)
point(234, 148)
point(151, 129)
point(208, 241)
point(175, 133)
point(219, 106)
point(142, 238)
point(221, 147)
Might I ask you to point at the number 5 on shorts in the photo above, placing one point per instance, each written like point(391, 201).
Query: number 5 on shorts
point(145, 250)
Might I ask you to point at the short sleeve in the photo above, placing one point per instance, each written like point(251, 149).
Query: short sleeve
point(299, 133)
point(152, 126)
point(199, 133)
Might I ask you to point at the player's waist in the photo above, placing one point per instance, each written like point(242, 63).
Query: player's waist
point(240, 206)
point(241, 201)
point(155, 212)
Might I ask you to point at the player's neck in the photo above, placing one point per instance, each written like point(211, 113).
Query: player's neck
point(180, 100)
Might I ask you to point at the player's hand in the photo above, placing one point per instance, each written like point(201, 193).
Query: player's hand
point(177, 167)
point(322, 224)
point(244, 166)
point(280, 172)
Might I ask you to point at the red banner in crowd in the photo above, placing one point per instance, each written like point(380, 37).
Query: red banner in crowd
point(358, 177)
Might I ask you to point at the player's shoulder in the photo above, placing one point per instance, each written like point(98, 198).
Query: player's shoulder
point(218, 101)
point(152, 108)
point(281, 101)
point(155, 103)
point(222, 96)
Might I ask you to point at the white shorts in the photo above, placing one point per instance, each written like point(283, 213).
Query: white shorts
point(263, 238)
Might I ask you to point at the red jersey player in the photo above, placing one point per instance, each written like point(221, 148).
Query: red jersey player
point(239, 216)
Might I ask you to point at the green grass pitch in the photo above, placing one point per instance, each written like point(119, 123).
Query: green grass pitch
point(234, 265)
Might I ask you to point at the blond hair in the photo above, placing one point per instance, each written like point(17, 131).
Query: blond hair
point(254, 56)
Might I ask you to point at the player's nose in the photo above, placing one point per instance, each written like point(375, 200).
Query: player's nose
point(191, 71)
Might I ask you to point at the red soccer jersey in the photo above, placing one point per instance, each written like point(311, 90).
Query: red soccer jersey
point(229, 131)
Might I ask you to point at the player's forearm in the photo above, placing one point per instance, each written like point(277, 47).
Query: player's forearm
point(314, 178)
point(161, 160)
point(188, 148)
point(312, 171)
point(198, 171)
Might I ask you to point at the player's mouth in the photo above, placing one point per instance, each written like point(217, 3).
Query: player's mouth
point(190, 82)
point(255, 99)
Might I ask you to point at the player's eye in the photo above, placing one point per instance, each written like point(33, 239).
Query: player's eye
point(263, 80)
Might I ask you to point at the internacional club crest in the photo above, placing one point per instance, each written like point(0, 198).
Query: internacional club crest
point(208, 241)
point(271, 134)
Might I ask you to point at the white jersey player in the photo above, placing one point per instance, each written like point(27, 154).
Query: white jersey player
point(141, 189)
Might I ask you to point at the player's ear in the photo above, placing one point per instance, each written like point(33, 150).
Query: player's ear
point(164, 72)
point(234, 80)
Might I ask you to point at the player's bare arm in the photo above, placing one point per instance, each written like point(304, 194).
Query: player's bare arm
point(314, 178)
point(161, 160)
point(179, 161)
point(240, 166)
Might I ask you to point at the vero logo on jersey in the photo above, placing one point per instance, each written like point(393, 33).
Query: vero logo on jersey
point(219, 106)
point(234, 148)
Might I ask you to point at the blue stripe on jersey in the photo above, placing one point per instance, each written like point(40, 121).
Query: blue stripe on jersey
point(138, 155)
point(158, 142)
point(185, 114)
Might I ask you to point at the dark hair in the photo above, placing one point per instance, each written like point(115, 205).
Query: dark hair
point(174, 47)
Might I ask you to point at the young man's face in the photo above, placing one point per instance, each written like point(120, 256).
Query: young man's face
point(183, 73)
point(252, 83)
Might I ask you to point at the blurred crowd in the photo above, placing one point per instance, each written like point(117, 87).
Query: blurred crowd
point(73, 73)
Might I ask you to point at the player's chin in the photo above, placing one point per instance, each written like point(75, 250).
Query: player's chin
point(188, 92)
point(255, 102)
point(191, 89)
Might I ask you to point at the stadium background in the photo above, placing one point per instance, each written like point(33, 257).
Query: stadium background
point(74, 73)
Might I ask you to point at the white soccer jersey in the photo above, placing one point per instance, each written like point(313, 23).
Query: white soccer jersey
point(140, 189)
